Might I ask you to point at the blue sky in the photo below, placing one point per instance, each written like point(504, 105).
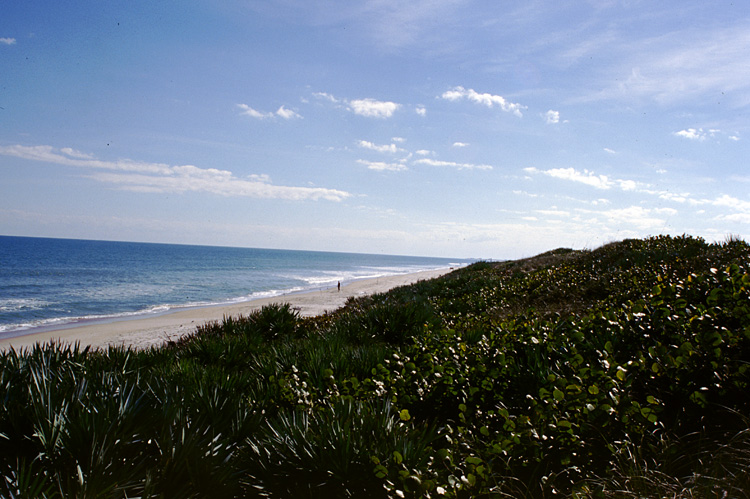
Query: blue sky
point(446, 127)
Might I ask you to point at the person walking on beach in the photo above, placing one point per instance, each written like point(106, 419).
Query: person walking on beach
point(339, 285)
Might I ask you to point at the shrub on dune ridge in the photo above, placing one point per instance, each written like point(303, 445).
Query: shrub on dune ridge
point(613, 373)
point(391, 318)
point(270, 322)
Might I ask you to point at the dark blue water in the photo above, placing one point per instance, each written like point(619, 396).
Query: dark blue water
point(46, 283)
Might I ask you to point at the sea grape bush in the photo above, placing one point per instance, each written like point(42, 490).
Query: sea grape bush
point(617, 372)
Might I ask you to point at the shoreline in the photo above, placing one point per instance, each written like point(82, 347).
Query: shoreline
point(155, 330)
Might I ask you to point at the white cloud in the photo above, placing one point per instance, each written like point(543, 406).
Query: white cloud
point(584, 177)
point(249, 111)
point(382, 166)
point(485, 99)
point(287, 114)
point(460, 144)
point(460, 166)
point(282, 112)
point(672, 196)
point(372, 108)
point(400, 140)
point(161, 178)
point(732, 203)
point(552, 117)
point(692, 134)
point(589, 178)
point(421, 110)
point(7, 41)
point(743, 218)
point(423, 152)
point(734, 137)
point(610, 151)
point(385, 148)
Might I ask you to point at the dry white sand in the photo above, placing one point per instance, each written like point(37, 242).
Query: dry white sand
point(155, 330)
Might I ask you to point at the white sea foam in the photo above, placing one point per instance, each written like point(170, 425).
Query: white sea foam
point(21, 304)
point(62, 283)
point(330, 278)
point(8, 330)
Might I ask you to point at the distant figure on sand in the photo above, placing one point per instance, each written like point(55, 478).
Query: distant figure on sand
point(339, 285)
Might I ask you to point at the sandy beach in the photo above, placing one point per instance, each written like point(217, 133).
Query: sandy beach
point(147, 331)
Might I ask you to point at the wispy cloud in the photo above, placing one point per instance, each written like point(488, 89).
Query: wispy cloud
point(460, 144)
point(75, 154)
point(554, 213)
point(460, 166)
point(485, 99)
point(7, 41)
point(421, 110)
point(161, 178)
point(388, 25)
point(326, 96)
point(638, 216)
point(282, 112)
point(382, 166)
point(683, 65)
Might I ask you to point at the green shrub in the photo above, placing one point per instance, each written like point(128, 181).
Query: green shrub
point(385, 318)
point(341, 450)
point(619, 372)
point(278, 320)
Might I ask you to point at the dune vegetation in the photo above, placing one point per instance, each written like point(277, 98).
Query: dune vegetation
point(619, 372)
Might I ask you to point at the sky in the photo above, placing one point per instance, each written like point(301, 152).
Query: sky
point(453, 128)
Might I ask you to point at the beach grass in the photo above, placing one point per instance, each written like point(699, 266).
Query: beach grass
point(619, 372)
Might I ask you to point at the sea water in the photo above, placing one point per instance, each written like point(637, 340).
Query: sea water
point(51, 283)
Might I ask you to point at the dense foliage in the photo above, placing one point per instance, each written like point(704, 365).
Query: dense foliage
point(619, 372)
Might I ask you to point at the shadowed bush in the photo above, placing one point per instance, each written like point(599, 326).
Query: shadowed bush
point(333, 451)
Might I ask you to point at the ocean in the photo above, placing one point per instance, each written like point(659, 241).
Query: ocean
point(54, 283)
